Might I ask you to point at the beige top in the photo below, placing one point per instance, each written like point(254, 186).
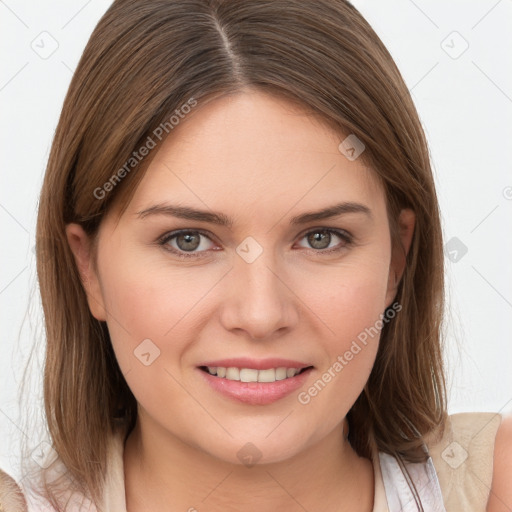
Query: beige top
point(464, 458)
point(463, 461)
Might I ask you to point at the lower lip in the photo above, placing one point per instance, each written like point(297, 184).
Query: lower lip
point(256, 393)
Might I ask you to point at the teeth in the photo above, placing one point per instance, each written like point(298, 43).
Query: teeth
point(281, 373)
point(232, 374)
point(290, 372)
point(248, 375)
point(252, 375)
point(267, 375)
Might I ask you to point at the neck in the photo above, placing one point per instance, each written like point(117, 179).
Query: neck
point(161, 470)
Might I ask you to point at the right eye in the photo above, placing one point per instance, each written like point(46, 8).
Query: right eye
point(184, 243)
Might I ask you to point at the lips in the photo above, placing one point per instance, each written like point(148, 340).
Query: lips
point(255, 393)
point(252, 375)
point(256, 364)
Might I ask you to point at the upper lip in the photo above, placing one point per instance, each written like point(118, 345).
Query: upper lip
point(256, 364)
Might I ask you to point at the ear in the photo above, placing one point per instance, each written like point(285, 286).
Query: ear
point(81, 247)
point(406, 222)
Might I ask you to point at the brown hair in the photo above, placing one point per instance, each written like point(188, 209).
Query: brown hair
point(143, 61)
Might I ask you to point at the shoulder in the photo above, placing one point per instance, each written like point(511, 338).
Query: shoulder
point(463, 459)
point(11, 497)
point(500, 498)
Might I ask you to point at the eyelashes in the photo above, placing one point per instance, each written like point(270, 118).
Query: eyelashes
point(191, 239)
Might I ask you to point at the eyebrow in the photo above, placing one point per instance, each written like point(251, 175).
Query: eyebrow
point(186, 212)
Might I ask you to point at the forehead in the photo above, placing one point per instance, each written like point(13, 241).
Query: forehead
point(255, 153)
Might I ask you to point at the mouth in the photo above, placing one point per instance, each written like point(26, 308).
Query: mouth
point(253, 375)
point(252, 386)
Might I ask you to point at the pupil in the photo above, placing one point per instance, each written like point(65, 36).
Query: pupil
point(189, 242)
point(320, 239)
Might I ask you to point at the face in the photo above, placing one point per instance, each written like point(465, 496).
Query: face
point(270, 282)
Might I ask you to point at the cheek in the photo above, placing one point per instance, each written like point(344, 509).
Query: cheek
point(153, 301)
point(138, 292)
point(350, 303)
point(348, 297)
point(149, 326)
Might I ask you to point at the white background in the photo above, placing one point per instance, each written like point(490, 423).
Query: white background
point(465, 105)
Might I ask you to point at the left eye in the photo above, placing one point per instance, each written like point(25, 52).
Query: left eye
point(188, 243)
point(321, 238)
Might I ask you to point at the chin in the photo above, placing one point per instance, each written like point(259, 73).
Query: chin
point(259, 448)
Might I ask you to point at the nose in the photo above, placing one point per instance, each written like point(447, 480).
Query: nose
point(259, 301)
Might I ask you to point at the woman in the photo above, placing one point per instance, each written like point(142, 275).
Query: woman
point(242, 281)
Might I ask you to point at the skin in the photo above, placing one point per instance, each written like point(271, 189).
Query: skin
point(500, 497)
point(261, 161)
